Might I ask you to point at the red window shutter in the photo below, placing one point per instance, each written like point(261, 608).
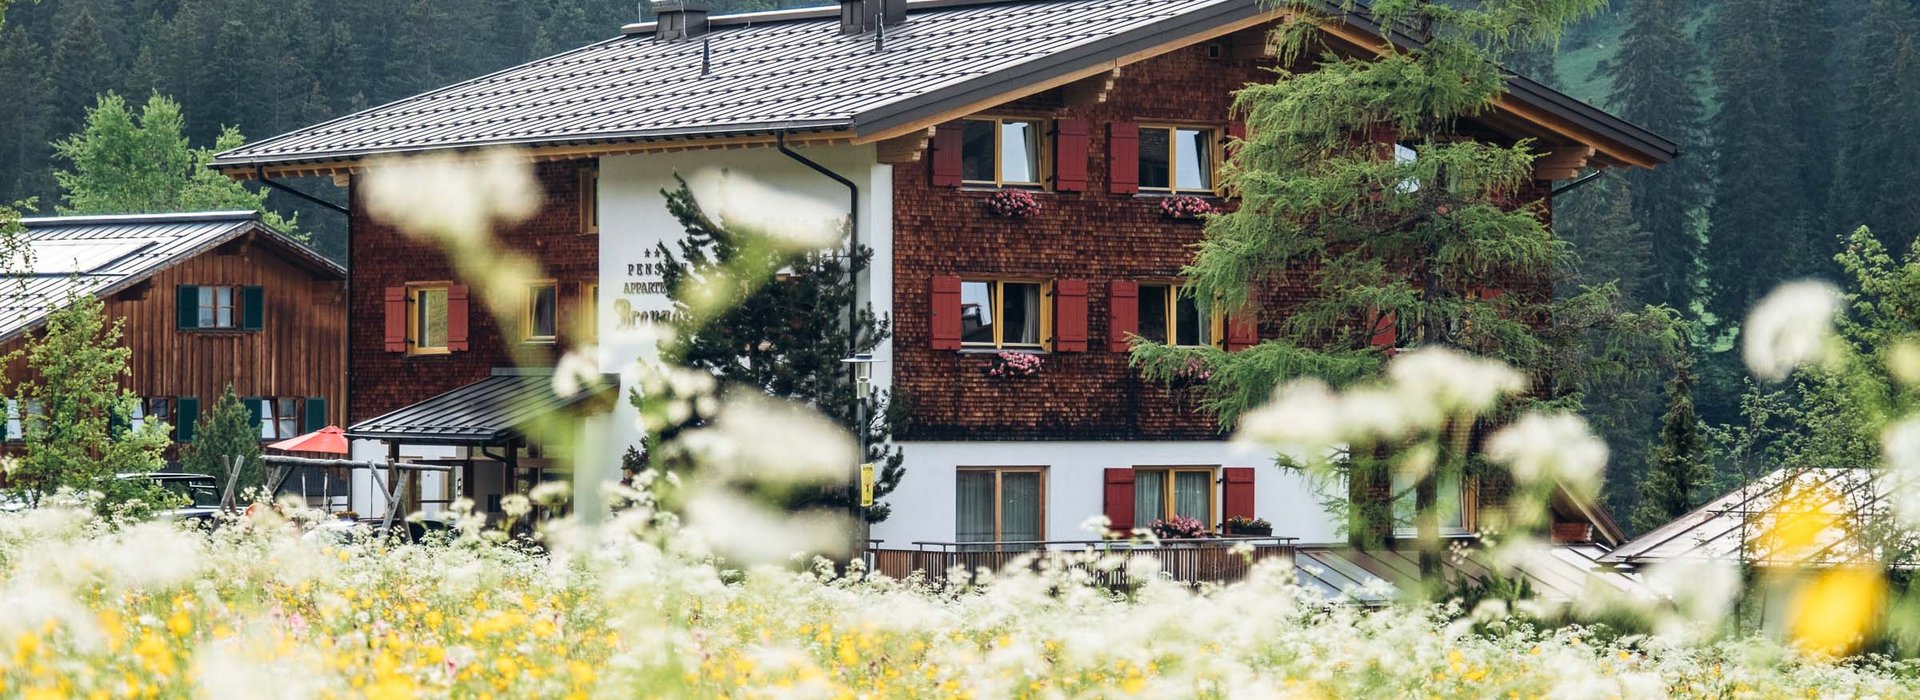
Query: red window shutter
point(1118, 498)
point(1070, 155)
point(1236, 492)
point(1243, 330)
point(396, 307)
point(457, 321)
point(945, 313)
point(1123, 157)
point(1385, 332)
point(946, 155)
point(1070, 316)
point(1123, 311)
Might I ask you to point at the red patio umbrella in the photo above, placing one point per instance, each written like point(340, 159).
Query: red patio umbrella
point(330, 440)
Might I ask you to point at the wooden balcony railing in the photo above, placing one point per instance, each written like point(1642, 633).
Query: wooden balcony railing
point(1209, 560)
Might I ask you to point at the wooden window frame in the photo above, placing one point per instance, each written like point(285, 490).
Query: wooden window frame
point(526, 312)
point(1213, 493)
point(1469, 510)
point(293, 414)
point(999, 314)
point(590, 200)
point(212, 291)
point(1216, 318)
point(998, 501)
point(415, 293)
point(590, 313)
point(1042, 159)
point(1215, 152)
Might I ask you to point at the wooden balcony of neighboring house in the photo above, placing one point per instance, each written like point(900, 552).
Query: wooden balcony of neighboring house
point(1191, 561)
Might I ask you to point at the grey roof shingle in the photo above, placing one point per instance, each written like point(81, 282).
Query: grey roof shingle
point(101, 255)
point(793, 71)
point(488, 412)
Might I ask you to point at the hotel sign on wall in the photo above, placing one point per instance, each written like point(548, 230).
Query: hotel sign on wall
point(642, 296)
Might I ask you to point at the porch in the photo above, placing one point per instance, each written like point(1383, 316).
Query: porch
point(1191, 561)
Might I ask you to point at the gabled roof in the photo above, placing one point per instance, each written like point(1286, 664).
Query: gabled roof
point(1738, 525)
point(760, 74)
point(490, 412)
point(102, 255)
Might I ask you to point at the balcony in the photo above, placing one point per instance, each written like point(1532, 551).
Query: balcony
point(1190, 561)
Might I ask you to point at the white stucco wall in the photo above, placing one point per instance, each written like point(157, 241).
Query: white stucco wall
point(924, 503)
point(634, 220)
point(368, 498)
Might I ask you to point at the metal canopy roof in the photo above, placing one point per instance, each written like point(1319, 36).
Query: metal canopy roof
point(491, 411)
point(1740, 525)
point(1563, 573)
point(102, 255)
point(792, 71)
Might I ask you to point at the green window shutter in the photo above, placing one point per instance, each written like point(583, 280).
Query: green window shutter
point(186, 416)
point(188, 306)
point(254, 414)
point(253, 308)
point(316, 416)
point(117, 422)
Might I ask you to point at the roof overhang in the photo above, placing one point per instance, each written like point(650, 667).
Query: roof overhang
point(492, 412)
point(1527, 104)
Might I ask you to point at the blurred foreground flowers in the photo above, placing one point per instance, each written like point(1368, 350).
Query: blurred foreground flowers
point(256, 611)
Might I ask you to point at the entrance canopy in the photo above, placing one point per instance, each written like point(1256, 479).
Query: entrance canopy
point(490, 412)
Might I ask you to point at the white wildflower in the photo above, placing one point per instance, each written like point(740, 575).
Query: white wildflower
point(576, 370)
point(1555, 449)
point(1303, 413)
point(1453, 381)
point(1703, 592)
point(1789, 328)
point(750, 533)
point(783, 215)
point(1900, 447)
point(516, 505)
point(455, 198)
point(550, 493)
point(773, 440)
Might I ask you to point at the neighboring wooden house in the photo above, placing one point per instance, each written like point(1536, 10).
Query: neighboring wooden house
point(1099, 109)
point(207, 300)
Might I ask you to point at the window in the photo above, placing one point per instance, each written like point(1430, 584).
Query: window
point(1404, 156)
point(1161, 493)
point(427, 327)
point(998, 314)
point(217, 307)
point(1000, 504)
point(154, 408)
point(543, 311)
point(286, 418)
point(1451, 498)
point(1176, 159)
point(590, 200)
point(1000, 152)
point(1169, 317)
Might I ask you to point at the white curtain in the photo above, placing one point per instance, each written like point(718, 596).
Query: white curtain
point(1020, 507)
point(973, 509)
point(1190, 496)
point(1149, 497)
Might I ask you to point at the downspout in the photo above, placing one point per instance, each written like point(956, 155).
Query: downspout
point(346, 380)
point(853, 304)
point(1563, 189)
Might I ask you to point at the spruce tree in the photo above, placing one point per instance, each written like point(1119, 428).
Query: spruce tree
point(23, 139)
point(229, 431)
point(1656, 82)
point(1426, 240)
point(785, 336)
point(1881, 138)
point(82, 67)
point(1677, 467)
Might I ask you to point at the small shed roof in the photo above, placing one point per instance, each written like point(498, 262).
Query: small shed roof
point(492, 411)
point(793, 71)
point(102, 255)
point(1741, 524)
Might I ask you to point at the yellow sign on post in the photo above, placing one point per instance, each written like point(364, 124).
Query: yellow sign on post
point(866, 485)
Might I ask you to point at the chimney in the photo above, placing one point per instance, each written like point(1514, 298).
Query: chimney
point(862, 16)
point(679, 20)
